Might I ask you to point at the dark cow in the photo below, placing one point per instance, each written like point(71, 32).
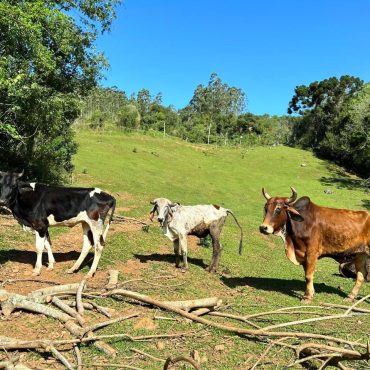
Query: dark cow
point(348, 269)
point(311, 232)
point(37, 207)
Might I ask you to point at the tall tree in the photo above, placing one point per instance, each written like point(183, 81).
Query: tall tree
point(333, 120)
point(218, 98)
point(47, 61)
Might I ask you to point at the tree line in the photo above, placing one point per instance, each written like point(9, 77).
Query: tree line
point(215, 115)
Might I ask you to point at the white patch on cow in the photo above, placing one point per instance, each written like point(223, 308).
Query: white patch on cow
point(270, 230)
point(282, 234)
point(33, 184)
point(96, 190)
point(28, 229)
point(82, 216)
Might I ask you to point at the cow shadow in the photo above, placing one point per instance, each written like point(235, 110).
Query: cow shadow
point(292, 287)
point(340, 179)
point(168, 257)
point(29, 257)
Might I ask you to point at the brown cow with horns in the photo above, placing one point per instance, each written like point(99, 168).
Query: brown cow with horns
point(311, 232)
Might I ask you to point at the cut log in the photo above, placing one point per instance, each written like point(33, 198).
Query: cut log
point(59, 289)
point(195, 303)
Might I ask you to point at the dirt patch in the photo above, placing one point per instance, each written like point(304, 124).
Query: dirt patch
point(133, 267)
point(123, 209)
point(125, 226)
point(146, 323)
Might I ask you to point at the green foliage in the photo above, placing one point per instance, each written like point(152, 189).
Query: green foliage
point(214, 115)
point(334, 121)
point(217, 98)
point(46, 63)
point(128, 117)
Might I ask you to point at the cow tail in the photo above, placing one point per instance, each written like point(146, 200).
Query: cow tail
point(229, 211)
point(112, 207)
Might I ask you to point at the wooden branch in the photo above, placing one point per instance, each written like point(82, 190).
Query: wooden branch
point(333, 354)
point(201, 311)
point(173, 360)
point(78, 357)
point(106, 348)
point(59, 289)
point(87, 305)
point(239, 318)
point(11, 301)
point(329, 355)
point(101, 309)
point(354, 309)
point(280, 310)
point(147, 355)
point(117, 219)
point(239, 331)
point(12, 281)
point(266, 351)
point(70, 311)
point(56, 354)
point(357, 303)
point(79, 305)
point(113, 279)
point(305, 321)
point(117, 366)
point(100, 325)
point(350, 354)
point(13, 343)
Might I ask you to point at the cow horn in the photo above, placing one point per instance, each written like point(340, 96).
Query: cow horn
point(293, 197)
point(265, 194)
point(20, 174)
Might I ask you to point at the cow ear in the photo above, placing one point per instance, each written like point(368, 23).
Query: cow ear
point(294, 214)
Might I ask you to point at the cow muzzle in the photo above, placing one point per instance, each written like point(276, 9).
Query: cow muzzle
point(266, 229)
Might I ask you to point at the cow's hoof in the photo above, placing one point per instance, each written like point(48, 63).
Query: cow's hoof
point(211, 269)
point(50, 267)
point(183, 270)
point(306, 300)
point(71, 271)
point(36, 273)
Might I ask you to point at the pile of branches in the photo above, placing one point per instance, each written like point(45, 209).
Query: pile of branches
point(67, 304)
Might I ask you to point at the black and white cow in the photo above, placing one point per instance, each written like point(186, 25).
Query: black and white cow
point(178, 221)
point(38, 207)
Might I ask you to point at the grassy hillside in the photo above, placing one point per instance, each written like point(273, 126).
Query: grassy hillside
point(137, 168)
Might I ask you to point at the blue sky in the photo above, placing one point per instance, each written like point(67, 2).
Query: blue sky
point(264, 47)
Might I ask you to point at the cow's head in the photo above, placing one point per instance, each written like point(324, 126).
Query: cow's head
point(8, 186)
point(164, 209)
point(277, 210)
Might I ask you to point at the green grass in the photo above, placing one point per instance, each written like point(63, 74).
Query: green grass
point(137, 168)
